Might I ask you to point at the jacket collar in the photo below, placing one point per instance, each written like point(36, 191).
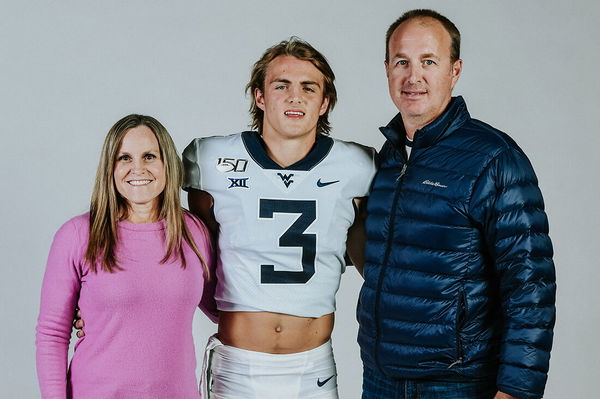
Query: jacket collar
point(453, 117)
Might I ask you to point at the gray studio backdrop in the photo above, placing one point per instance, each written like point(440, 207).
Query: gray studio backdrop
point(69, 69)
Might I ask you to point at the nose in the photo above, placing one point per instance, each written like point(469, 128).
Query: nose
point(137, 166)
point(414, 73)
point(295, 94)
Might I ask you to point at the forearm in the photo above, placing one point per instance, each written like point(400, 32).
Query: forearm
point(508, 206)
point(200, 204)
point(53, 335)
point(357, 237)
point(59, 295)
point(527, 290)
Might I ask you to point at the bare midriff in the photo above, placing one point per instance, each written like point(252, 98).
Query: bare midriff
point(273, 332)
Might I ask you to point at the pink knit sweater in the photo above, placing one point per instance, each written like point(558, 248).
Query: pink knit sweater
point(138, 322)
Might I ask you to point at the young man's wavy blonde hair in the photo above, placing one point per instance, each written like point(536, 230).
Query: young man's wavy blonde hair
point(107, 206)
point(298, 48)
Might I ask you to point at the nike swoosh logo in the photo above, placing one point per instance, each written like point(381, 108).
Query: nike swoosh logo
point(325, 183)
point(321, 383)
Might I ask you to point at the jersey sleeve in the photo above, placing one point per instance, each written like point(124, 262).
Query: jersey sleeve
point(365, 164)
point(192, 178)
point(60, 290)
point(371, 169)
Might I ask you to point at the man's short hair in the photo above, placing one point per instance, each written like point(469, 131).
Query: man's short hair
point(424, 13)
point(300, 49)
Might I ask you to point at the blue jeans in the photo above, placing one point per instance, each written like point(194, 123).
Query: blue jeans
point(376, 386)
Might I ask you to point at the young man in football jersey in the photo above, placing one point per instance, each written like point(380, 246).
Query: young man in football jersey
point(282, 201)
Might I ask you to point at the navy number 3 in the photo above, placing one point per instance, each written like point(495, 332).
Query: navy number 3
point(294, 236)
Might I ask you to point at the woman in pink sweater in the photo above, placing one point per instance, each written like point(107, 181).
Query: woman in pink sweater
point(137, 265)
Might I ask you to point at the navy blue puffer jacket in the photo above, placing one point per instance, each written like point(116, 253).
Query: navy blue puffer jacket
point(459, 279)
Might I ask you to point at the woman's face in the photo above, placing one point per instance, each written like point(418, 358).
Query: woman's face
point(139, 171)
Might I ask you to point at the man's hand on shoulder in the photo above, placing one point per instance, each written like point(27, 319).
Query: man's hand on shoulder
point(502, 395)
point(78, 324)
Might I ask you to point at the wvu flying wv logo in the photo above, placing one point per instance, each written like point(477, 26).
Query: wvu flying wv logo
point(287, 179)
point(242, 183)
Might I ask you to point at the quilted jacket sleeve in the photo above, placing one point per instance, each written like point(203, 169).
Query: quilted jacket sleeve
point(515, 229)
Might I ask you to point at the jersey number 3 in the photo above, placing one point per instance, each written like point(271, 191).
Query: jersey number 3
point(294, 236)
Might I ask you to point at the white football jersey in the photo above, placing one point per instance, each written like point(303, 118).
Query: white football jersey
point(282, 231)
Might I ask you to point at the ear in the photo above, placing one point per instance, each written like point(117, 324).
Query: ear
point(259, 99)
point(456, 70)
point(387, 69)
point(324, 106)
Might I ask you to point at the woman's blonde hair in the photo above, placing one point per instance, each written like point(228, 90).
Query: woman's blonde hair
point(107, 206)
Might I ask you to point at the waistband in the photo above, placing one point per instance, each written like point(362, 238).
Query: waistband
point(247, 356)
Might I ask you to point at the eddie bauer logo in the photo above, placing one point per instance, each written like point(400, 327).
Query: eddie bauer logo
point(435, 184)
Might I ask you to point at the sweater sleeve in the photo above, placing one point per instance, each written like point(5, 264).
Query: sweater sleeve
point(515, 229)
point(203, 240)
point(60, 291)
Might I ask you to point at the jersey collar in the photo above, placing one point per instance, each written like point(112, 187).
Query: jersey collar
point(257, 149)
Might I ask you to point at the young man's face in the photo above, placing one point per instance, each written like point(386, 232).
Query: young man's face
point(292, 99)
point(420, 72)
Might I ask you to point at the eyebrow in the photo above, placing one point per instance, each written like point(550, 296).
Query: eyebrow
point(119, 153)
point(304, 82)
point(429, 55)
point(426, 55)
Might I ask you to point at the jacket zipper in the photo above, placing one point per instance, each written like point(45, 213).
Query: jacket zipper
point(460, 316)
point(384, 264)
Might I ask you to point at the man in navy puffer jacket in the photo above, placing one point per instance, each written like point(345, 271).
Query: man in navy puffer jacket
point(459, 291)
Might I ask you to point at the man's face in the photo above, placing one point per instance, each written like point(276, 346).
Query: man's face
point(292, 99)
point(420, 72)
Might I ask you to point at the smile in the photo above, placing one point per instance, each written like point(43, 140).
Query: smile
point(413, 93)
point(139, 182)
point(294, 113)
